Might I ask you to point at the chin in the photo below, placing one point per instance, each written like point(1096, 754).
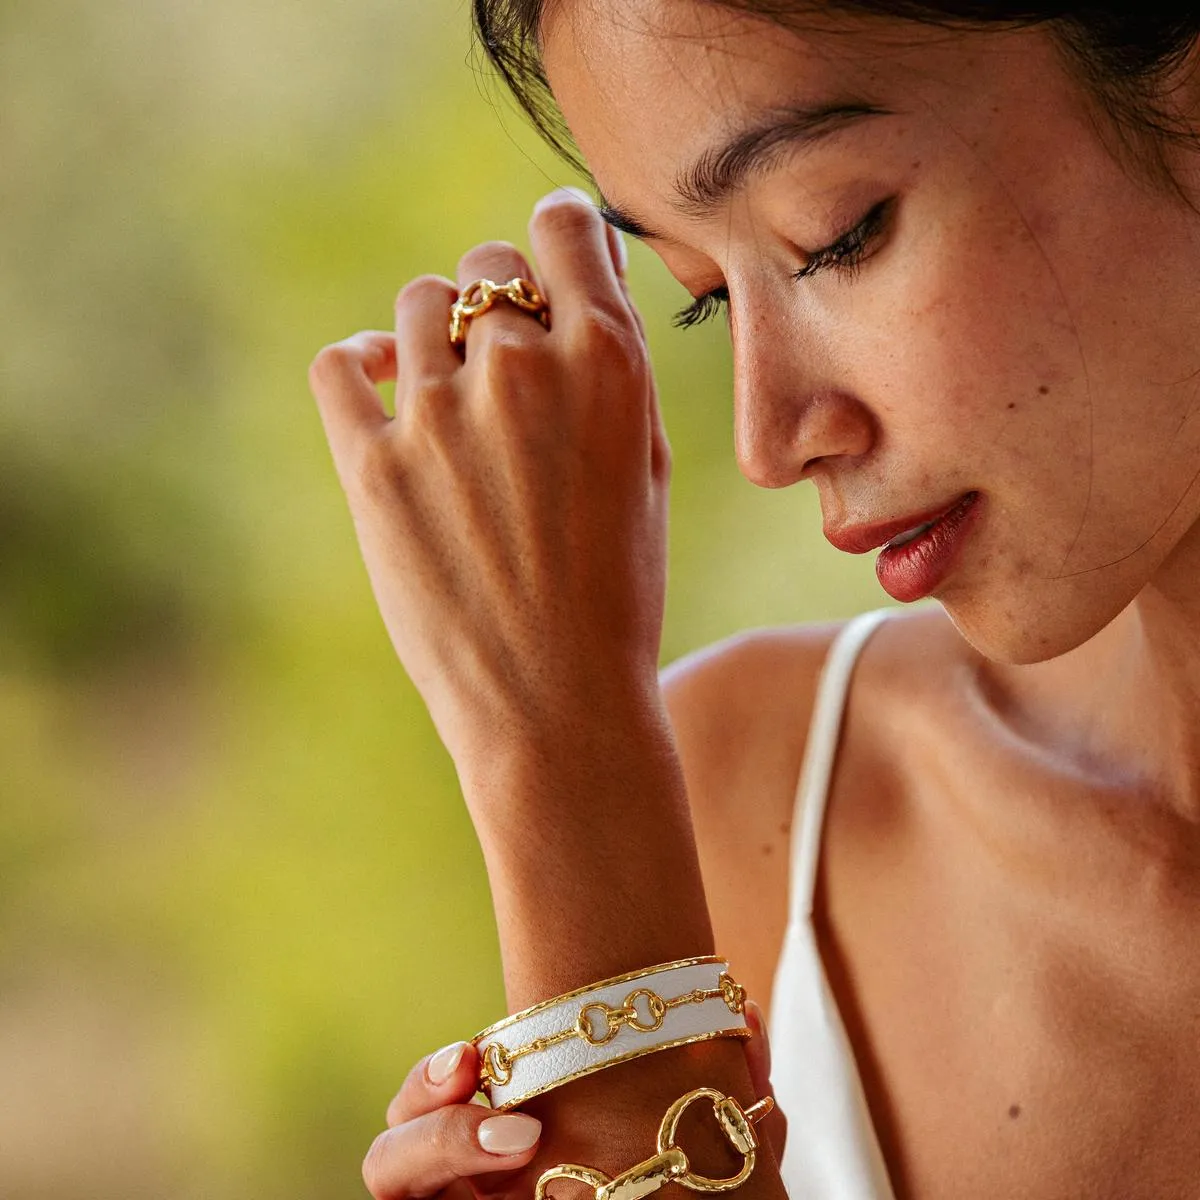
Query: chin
point(1029, 628)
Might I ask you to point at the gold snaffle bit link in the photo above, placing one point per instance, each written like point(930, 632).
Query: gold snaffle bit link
point(497, 1060)
point(670, 1164)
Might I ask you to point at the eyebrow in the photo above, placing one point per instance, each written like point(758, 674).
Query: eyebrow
point(717, 174)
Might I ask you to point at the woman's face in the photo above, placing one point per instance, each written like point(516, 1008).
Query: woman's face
point(1024, 321)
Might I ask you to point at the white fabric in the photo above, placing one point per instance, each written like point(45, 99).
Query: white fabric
point(540, 1070)
point(832, 1151)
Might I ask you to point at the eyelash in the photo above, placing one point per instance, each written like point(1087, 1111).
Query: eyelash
point(846, 254)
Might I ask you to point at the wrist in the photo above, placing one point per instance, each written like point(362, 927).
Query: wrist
point(610, 1120)
point(621, 730)
point(590, 853)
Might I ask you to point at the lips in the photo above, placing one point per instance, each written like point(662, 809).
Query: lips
point(859, 539)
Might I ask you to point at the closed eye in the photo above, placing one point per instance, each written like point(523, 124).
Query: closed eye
point(849, 251)
point(846, 254)
point(701, 309)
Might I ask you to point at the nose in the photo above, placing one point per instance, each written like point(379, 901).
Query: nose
point(790, 407)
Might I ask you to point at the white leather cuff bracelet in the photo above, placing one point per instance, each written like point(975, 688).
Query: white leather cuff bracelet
point(569, 1036)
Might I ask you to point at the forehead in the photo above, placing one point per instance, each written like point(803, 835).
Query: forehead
point(647, 86)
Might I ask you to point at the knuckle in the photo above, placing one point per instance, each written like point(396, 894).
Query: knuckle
point(378, 471)
point(428, 423)
point(608, 336)
point(509, 357)
point(490, 253)
point(421, 288)
point(428, 392)
point(396, 1108)
point(564, 218)
point(440, 1137)
point(331, 363)
point(375, 1165)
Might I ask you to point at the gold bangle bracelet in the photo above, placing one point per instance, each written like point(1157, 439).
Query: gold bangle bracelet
point(670, 1163)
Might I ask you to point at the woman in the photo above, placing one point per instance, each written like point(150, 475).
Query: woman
point(959, 260)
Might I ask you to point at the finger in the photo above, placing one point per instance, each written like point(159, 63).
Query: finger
point(431, 1152)
point(758, 1048)
point(499, 262)
point(575, 256)
point(620, 254)
point(758, 1058)
point(342, 378)
point(446, 1076)
point(423, 349)
point(660, 447)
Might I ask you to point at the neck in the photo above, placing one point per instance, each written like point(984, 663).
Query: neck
point(1125, 705)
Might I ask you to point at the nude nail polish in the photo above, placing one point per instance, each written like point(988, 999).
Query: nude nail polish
point(509, 1133)
point(441, 1065)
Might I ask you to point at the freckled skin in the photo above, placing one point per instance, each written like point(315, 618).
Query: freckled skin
point(1026, 256)
point(1057, 739)
point(1023, 257)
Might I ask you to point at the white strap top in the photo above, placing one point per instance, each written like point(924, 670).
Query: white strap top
point(832, 1151)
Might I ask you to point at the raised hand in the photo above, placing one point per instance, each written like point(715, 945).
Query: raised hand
point(512, 514)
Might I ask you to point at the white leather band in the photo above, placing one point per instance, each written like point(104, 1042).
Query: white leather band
point(672, 993)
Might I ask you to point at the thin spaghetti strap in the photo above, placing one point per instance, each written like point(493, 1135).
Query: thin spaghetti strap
point(819, 752)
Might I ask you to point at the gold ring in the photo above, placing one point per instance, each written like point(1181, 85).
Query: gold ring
point(478, 297)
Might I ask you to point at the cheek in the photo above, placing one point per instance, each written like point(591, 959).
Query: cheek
point(993, 364)
point(980, 354)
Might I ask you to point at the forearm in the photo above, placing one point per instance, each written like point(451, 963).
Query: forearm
point(593, 868)
point(590, 854)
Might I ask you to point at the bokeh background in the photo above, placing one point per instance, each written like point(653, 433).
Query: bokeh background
point(239, 893)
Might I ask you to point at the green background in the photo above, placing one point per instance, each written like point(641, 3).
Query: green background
point(239, 893)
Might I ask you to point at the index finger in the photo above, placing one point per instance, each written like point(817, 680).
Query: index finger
point(342, 378)
point(422, 1092)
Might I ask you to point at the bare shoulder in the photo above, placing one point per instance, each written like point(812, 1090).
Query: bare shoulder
point(741, 707)
point(743, 698)
point(740, 710)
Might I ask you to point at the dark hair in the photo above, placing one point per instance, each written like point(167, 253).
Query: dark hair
point(1125, 54)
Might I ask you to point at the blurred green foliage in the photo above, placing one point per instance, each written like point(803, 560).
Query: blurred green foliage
point(239, 894)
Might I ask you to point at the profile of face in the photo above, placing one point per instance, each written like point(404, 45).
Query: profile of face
point(1011, 309)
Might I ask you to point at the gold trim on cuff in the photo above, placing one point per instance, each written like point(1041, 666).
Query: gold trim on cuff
point(609, 1062)
point(591, 987)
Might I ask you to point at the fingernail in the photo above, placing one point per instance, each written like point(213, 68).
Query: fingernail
point(759, 1019)
point(580, 193)
point(557, 196)
point(509, 1134)
point(761, 1027)
point(441, 1065)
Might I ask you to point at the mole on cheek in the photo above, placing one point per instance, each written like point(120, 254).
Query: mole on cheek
point(1012, 404)
point(1044, 390)
point(1014, 1111)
